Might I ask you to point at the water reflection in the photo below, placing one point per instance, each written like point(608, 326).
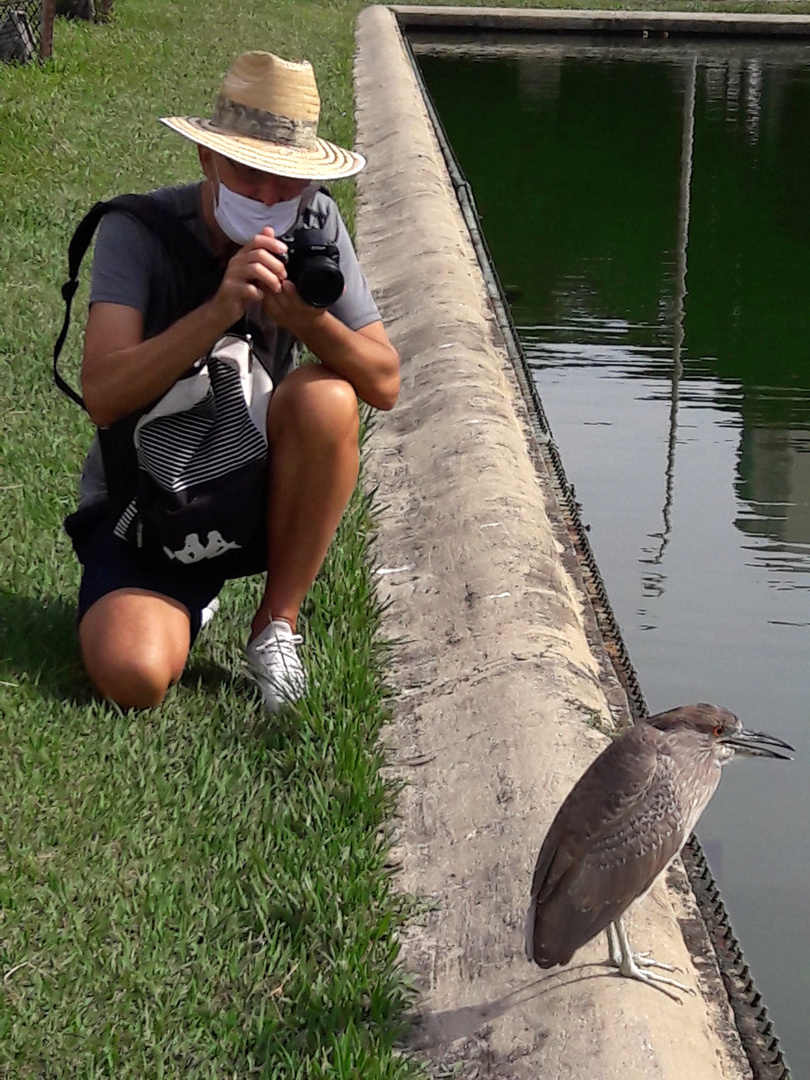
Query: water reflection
point(647, 210)
point(773, 486)
point(772, 469)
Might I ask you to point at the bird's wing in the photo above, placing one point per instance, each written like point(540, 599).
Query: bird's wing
point(635, 844)
point(617, 781)
point(613, 835)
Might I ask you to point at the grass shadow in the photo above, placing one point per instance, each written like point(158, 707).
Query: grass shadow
point(39, 647)
point(211, 677)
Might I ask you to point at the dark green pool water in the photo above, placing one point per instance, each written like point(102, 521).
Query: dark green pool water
point(647, 206)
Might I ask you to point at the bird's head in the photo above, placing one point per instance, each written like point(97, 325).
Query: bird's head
point(721, 732)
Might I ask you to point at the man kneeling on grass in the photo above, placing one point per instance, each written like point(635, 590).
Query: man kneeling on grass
point(144, 595)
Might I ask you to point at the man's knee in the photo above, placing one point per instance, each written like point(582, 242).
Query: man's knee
point(134, 647)
point(130, 682)
point(315, 403)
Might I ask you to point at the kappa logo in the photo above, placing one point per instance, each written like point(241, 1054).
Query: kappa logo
point(194, 551)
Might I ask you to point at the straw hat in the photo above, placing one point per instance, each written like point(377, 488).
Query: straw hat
point(266, 117)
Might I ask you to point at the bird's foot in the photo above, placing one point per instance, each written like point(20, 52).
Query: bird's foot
point(616, 953)
point(633, 967)
point(644, 959)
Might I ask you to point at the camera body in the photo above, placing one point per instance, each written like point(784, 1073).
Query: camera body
point(313, 266)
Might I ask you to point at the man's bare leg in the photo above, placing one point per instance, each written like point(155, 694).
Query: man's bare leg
point(134, 645)
point(313, 426)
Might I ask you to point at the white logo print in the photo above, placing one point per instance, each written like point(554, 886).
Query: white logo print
point(193, 550)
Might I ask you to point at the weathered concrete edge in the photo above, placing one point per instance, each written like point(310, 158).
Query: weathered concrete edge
point(495, 677)
point(560, 20)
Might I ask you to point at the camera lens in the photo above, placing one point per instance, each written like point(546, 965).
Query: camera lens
point(320, 282)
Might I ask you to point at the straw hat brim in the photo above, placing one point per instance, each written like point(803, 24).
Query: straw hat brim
point(323, 161)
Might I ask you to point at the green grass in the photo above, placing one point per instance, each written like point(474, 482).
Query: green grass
point(196, 891)
point(191, 892)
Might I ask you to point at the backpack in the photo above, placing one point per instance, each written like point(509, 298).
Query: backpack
point(186, 475)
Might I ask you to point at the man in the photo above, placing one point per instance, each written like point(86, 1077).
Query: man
point(260, 154)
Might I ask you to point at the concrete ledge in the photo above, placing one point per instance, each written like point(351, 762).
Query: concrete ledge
point(500, 694)
point(550, 20)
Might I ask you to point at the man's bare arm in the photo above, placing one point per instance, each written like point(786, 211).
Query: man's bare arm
point(365, 357)
point(121, 372)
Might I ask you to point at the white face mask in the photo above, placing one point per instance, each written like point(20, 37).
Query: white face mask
point(241, 218)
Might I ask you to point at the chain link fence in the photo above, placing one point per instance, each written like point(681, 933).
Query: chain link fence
point(26, 30)
point(26, 26)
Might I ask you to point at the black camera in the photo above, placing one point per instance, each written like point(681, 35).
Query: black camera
point(313, 266)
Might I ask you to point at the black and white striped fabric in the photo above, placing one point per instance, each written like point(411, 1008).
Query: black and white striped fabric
point(202, 453)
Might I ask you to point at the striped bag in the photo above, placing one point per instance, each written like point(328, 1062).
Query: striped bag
point(202, 454)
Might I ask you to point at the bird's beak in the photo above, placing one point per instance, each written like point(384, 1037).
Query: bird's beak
point(756, 744)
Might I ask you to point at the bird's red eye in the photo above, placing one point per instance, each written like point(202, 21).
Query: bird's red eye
point(718, 731)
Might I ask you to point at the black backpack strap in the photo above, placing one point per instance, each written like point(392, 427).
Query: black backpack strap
point(180, 242)
point(78, 245)
point(307, 217)
point(184, 247)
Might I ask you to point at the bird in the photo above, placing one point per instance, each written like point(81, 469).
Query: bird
point(622, 824)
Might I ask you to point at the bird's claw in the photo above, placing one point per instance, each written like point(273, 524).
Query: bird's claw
point(644, 959)
point(631, 970)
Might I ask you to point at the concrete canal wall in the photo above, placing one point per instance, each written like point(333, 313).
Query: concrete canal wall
point(503, 689)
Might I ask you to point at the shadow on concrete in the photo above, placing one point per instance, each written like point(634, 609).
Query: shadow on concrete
point(434, 1030)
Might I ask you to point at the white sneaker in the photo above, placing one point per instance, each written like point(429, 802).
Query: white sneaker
point(208, 612)
point(273, 658)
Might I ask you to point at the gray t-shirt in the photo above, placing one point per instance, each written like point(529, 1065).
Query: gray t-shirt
point(132, 267)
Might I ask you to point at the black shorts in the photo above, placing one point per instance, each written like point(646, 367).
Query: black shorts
point(109, 563)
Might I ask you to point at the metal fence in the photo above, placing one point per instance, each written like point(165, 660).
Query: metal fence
point(26, 26)
point(26, 30)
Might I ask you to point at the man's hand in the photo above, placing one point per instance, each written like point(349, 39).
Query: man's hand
point(286, 308)
point(364, 357)
point(254, 272)
point(122, 372)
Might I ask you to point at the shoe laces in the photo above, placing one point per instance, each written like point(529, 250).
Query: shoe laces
point(279, 651)
point(284, 646)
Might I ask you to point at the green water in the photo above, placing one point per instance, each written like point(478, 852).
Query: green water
point(647, 206)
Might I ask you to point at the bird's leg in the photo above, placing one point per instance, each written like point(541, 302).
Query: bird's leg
point(614, 955)
point(643, 959)
point(631, 966)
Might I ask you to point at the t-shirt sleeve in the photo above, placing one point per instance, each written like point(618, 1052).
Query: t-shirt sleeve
point(123, 261)
point(356, 307)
